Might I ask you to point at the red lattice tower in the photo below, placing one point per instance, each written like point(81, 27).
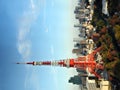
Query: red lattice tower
point(83, 62)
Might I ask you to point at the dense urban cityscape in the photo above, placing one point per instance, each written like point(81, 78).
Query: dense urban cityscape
point(96, 21)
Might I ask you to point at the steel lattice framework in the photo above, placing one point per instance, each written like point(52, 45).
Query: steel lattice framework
point(84, 62)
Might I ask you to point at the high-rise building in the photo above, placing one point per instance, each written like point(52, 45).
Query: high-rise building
point(76, 39)
point(77, 51)
point(77, 25)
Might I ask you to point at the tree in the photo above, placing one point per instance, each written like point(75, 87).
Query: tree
point(103, 30)
point(109, 55)
point(116, 69)
point(100, 23)
point(117, 32)
point(114, 20)
point(112, 46)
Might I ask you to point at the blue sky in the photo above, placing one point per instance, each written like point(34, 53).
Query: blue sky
point(36, 30)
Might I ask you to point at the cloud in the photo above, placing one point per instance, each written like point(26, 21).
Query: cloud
point(44, 13)
point(24, 48)
point(32, 80)
point(52, 3)
point(32, 4)
point(47, 27)
point(53, 70)
point(52, 50)
point(47, 30)
point(55, 77)
point(28, 17)
point(24, 44)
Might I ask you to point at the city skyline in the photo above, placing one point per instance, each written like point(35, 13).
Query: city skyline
point(36, 30)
